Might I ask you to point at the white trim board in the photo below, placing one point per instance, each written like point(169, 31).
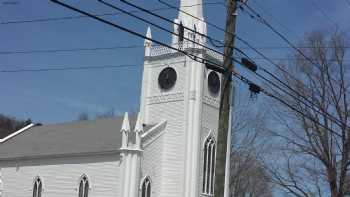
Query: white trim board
point(16, 133)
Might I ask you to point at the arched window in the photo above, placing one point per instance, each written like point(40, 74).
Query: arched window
point(146, 188)
point(37, 187)
point(209, 166)
point(84, 186)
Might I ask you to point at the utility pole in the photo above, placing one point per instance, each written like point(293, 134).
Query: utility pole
point(225, 104)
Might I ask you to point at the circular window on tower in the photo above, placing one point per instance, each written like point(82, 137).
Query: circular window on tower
point(213, 83)
point(167, 78)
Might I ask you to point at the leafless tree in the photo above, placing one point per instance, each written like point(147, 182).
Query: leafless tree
point(313, 160)
point(9, 125)
point(248, 175)
point(83, 116)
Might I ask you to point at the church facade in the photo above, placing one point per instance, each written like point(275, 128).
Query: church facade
point(167, 150)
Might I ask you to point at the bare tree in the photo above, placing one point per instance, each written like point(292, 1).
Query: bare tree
point(316, 158)
point(83, 116)
point(9, 125)
point(248, 175)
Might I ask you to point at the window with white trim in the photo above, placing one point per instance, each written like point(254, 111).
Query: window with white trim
point(209, 166)
point(84, 186)
point(146, 188)
point(37, 187)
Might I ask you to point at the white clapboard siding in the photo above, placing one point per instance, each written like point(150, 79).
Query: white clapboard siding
point(60, 176)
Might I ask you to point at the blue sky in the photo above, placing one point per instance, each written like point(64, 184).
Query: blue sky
point(59, 96)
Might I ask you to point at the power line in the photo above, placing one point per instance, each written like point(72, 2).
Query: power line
point(144, 20)
point(287, 59)
point(196, 58)
point(69, 68)
point(265, 92)
point(309, 103)
point(288, 47)
point(276, 19)
point(156, 25)
point(347, 2)
point(260, 19)
point(269, 73)
point(212, 40)
point(239, 38)
point(192, 56)
point(254, 67)
point(69, 50)
point(315, 5)
point(141, 46)
point(83, 16)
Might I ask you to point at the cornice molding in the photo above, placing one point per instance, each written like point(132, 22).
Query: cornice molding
point(211, 101)
point(57, 156)
point(165, 98)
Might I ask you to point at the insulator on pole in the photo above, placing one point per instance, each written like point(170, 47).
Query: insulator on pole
point(250, 65)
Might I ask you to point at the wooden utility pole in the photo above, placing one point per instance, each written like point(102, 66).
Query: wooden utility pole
point(226, 90)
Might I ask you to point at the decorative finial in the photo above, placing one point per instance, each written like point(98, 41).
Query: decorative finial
point(138, 130)
point(126, 124)
point(125, 131)
point(138, 126)
point(148, 35)
point(148, 43)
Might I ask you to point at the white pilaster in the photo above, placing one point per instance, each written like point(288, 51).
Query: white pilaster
point(194, 130)
point(126, 180)
point(133, 181)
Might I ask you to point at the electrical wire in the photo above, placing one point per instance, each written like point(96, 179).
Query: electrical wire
point(151, 23)
point(277, 20)
point(238, 38)
point(69, 68)
point(264, 70)
point(347, 2)
point(69, 50)
point(315, 5)
point(15, 52)
point(191, 56)
point(83, 16)
point(308, 102)
point(259, 18)
point(194, 57)
point(259, 75)
point(212, 40)
point(265, 92)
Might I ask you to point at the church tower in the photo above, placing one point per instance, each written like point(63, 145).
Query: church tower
point(182, 95)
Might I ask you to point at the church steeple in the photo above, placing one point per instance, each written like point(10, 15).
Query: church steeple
point(189, 21)
point(192, 7)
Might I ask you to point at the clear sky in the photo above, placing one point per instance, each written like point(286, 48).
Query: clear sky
point(59, 96)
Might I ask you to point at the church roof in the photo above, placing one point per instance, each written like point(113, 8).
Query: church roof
point(101, 135)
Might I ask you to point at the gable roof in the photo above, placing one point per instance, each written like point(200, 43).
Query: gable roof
point(102, 135)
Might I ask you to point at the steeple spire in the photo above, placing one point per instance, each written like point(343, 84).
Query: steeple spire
point(192, 7)
point(189, 24)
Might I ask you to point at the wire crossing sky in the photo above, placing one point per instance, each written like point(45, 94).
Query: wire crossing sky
point(61, 96)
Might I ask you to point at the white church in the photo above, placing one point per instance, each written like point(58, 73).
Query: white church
point(168, 150)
